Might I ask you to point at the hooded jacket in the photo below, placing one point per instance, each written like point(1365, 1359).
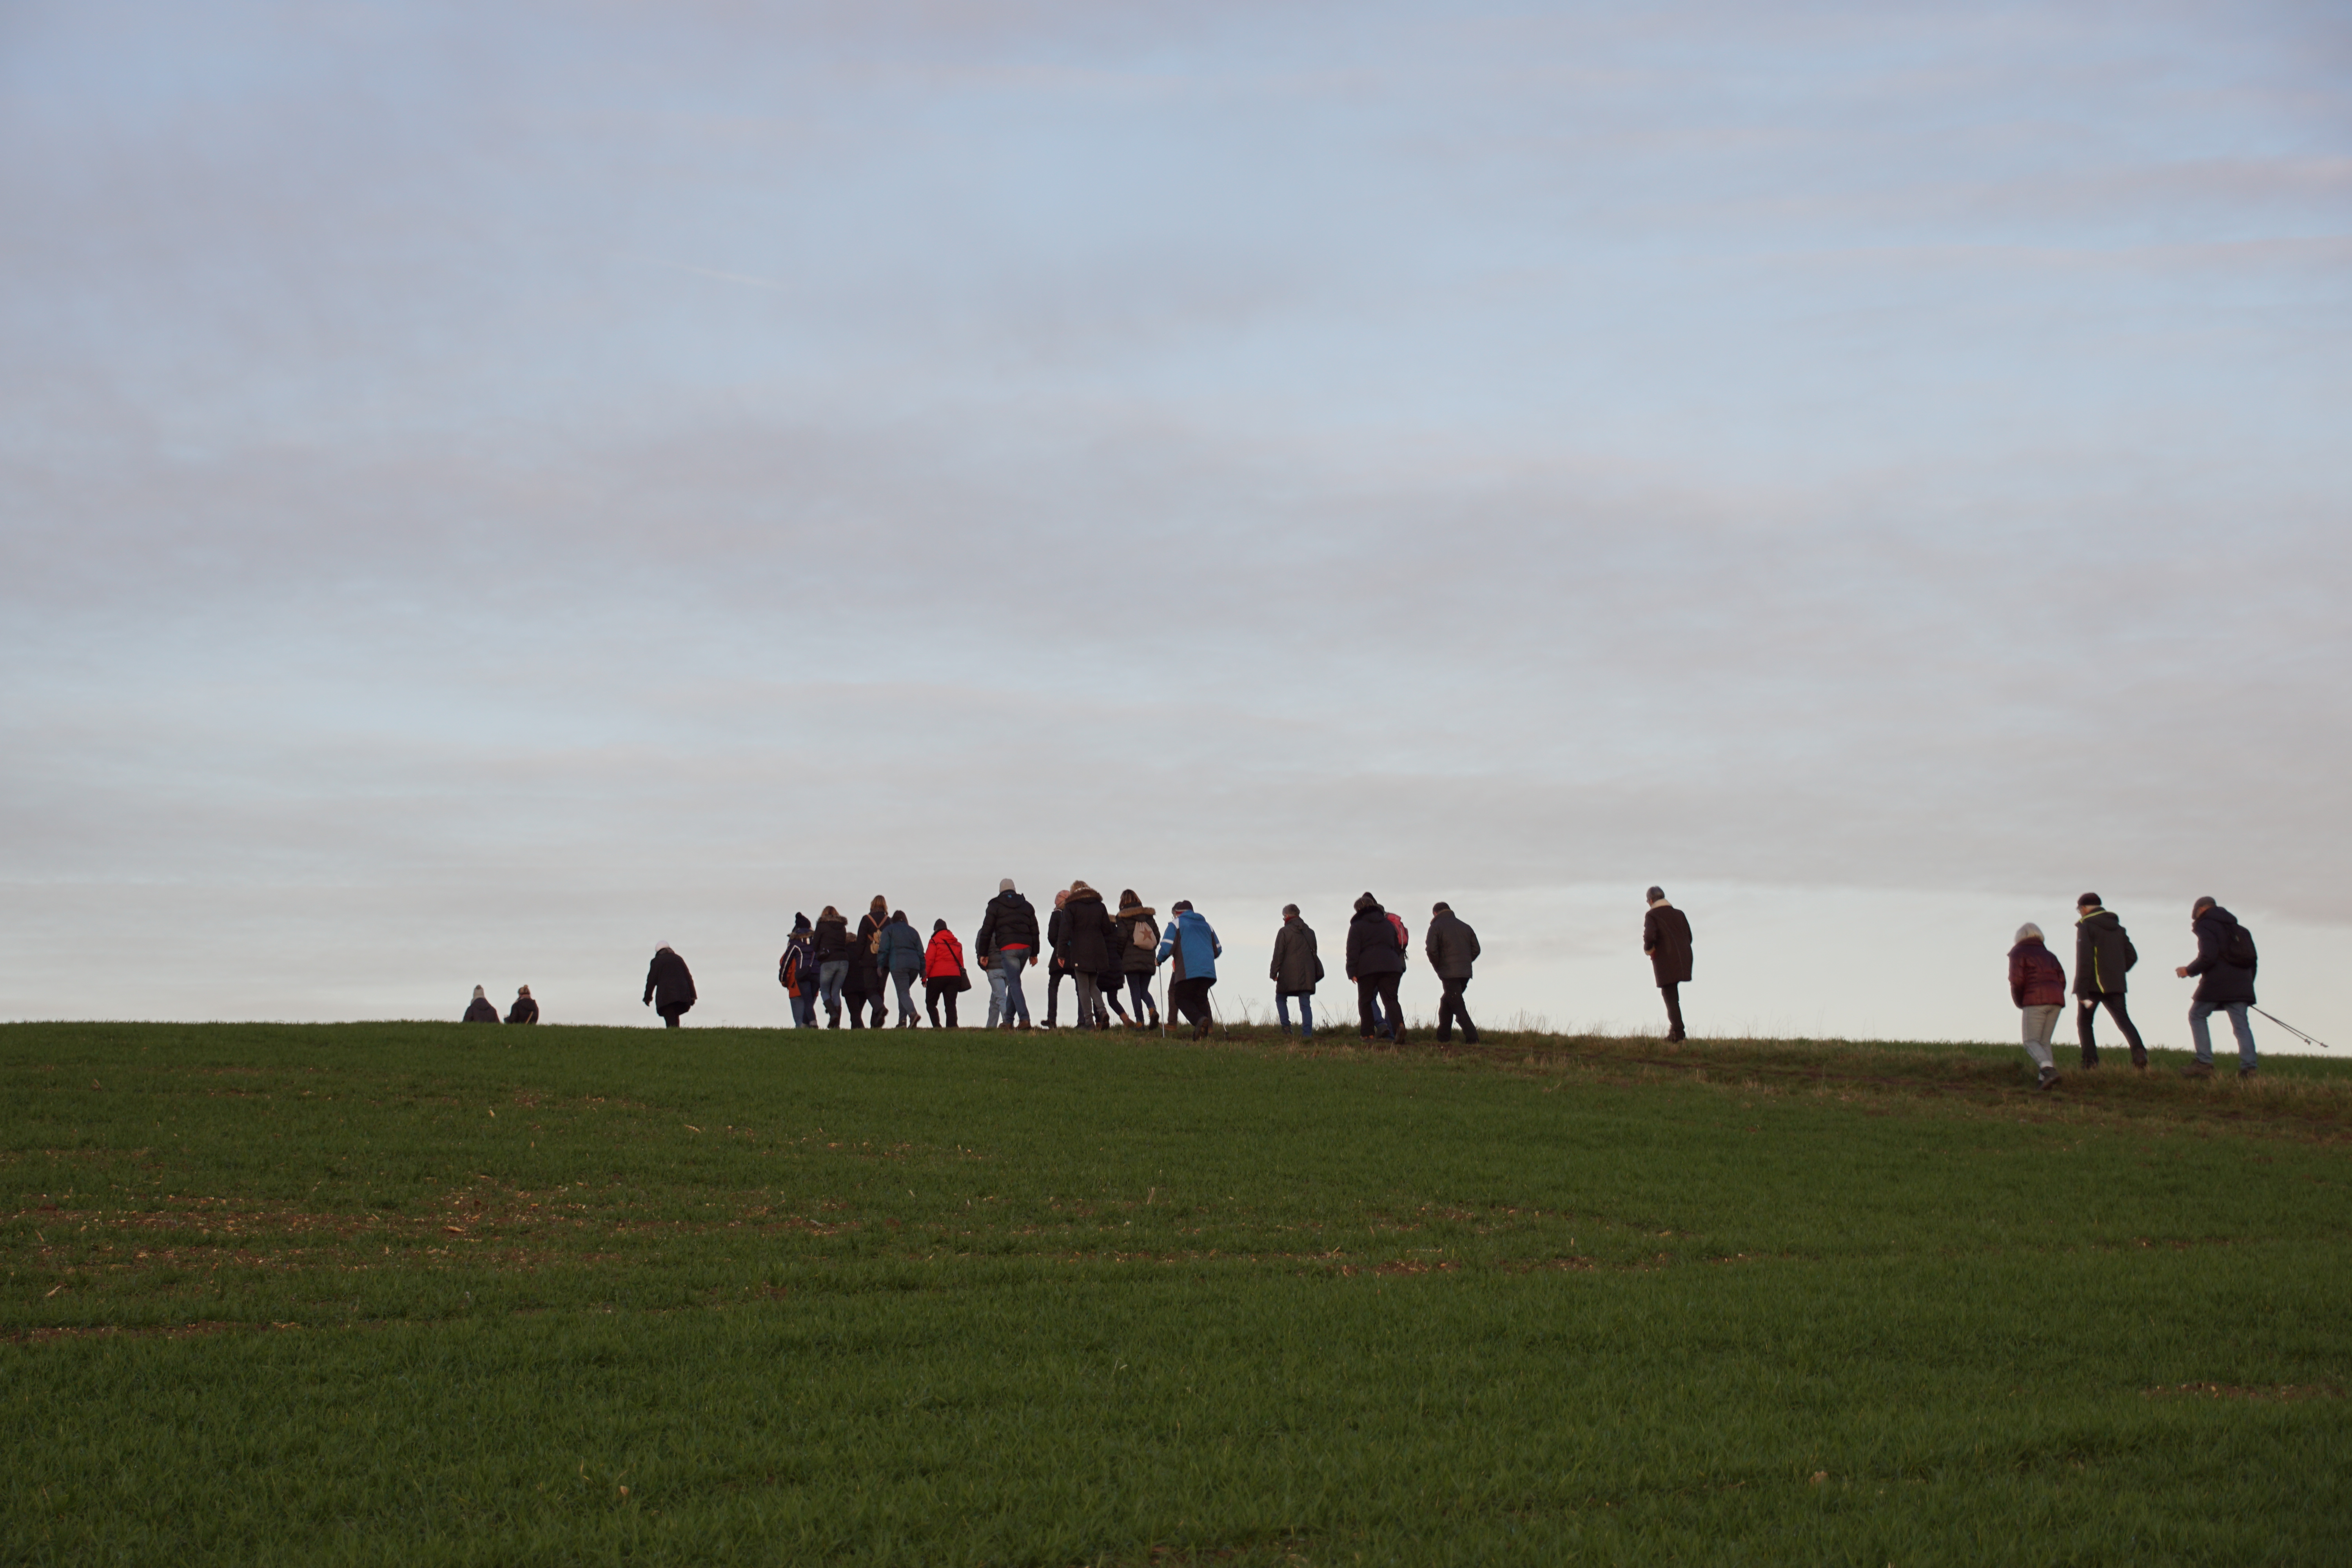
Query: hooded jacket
point(1666, 938)
point(943, 960)
point(524, 1011)
point(669, 985)
point(1136, 957)
point(1372, 944)
point(1010, 922)
point(1193, 945)
point(1452, 946)
point(796, 969)
point(2103, 954)
point(2036, 978)
point(2219, 982)
point(1089, 940)
point(481, 1010)
point(1296, 967)
point(901, 949)
point(831, 938)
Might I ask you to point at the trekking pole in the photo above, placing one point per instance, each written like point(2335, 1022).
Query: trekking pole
point(2290, 1028)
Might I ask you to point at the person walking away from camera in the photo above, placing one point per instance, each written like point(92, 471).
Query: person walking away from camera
point(1666, 938)
point(1295, 971)
point(1056, 969)
point(900, 957)
point(2037, 983)
point(1193, 948)
point(1139, 945)
point(669, 985)
point(1453, 949)
point(1376, 964)
point(1007, 940)
point(943, 974)
point(866, 966)
point(796, 972)
point(2104, 954)
point(1089, 936)
point(2224, 968)
point(830, 946)
point(481, 1009)
point(525, 1010)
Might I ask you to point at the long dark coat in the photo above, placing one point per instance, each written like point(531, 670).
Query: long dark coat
point(2104, 954)
point(1452, 946)
point(1295, 967)
point(1088, 938)
point(1136, 958)
point(1372, 944)
point(669, 985)
point(1666, 938)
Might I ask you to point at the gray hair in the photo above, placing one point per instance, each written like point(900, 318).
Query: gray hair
point(2029, 932)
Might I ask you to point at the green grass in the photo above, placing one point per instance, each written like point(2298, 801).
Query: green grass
point(296, 1294)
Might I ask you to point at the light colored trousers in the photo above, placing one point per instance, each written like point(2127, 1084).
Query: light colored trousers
point(2041, 1023)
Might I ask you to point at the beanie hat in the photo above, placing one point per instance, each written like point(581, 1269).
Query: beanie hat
point(478, 994)
point(2089, 902)
point(524, 992)
point(1655, 894)
point(1006, 886)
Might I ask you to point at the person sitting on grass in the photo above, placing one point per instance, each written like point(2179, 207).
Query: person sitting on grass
point(525, 1010)
point(481, 1010)
point(2037, 985)
point(1193, 945)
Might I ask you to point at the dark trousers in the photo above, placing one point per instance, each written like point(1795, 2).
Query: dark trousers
point(1189, 999)
point(669, 1020)
point(2086, 1008)
point(1055, 975)
point(1450, 1007)
point(933, 990)
point(1374, 992)
point(1671, 991)
point(1107, 986)
point(1138, 995)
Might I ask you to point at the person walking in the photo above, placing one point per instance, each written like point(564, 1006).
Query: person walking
point(1089, 939)
point(1193, 945)
point(481, 1009)
point(830, 946)
point(868, 980)
point(1295, 971)
point(2224, 967)
point(1007, 940)
point(943, 974)
point(525, 1010)
point(1056, 969)
point(669, 985)
point(2037, 983)
point(1453, 949)
point(1138, 942)
point(2104, 954)
point(1666, 938)
point(796, 972)
point(1376, 964)
point(900, 957)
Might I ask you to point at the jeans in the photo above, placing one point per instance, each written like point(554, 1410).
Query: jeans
point(904, 980)
point(933, 990)
point(1306, 1011)
point(2087, 1008)
point(1090, 1007)
point(1373, 992)
point(1450, 1008)
point(2040, 1023)
point(1138, 995)
point(805, 1010)
point(1005, 998)
point(829, 976)
point(2197, 1031)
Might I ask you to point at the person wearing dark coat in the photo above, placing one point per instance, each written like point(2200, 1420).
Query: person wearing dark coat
point(1375, 962)
point(1295, 971)
point(869, 981)
point(900, 957)
point(669, 986)
point(481, 1009)
point(831, 945)
point(2037, 983)
point(796, 972)
point(1007, 944)
point(1138, 942)
point(525, 1010)
point(1666, 938)
point(2224, 967)
point(1085, 951)
point(2104, 954)
point(1453, 949)
point(1056, 969)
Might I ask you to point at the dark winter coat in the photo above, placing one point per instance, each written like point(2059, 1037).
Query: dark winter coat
point(669, 985)
point(1666, 938)
point(1452, 946)
point(1372, 944)
point(1010, 922)
point(2036, 978)
point(2103, 954)
point(1089, 940)
point(797, 969)
point(831, 941)
point(1136, 958)
point(1296, 967)
point(481, 1010)
point(524, 1011)
point(2219, 981)
point(902, 949)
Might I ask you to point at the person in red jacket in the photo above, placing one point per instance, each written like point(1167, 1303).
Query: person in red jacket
point(943, 974)
point(2037, 983)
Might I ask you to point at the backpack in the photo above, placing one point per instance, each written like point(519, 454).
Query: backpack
point(788, 970)
point(1404, 943)
point(1140, 934)
point(2239, 951)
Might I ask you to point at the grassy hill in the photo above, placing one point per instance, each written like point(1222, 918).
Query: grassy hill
point(426, 1294)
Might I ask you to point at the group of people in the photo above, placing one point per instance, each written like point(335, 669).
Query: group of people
point(482, 1010)
point(2104, 956)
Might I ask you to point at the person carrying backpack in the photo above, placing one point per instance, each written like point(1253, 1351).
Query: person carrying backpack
point(1191, 941)
point(2224, 968)
point(2104, 954)
point(796, 973)
point(943, 974)
point(867, 981)
point(830, 945)
point(2037, 985)
point(1452, 950)
point(1376, 963)
point(1295, 971)
point(899, 954)
point(1138, 944)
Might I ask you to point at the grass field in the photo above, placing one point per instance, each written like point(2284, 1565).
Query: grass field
point(425, 1294)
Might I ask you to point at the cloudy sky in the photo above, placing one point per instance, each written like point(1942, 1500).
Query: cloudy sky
point(484, 490)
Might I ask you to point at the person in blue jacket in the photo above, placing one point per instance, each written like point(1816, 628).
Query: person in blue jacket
point(1195, 949)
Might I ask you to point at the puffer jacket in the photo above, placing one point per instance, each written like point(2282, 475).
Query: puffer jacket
point(2103, 954)
point(944, 959)
point(1452, 946)
point(1010, 922)
point(669, 985)
point(1296, 967)
point(2036, 978)
point(1194, 945)
point(1136, 957)
point(1372, 944)
point(831, 941)
point(1089, 936)
point(901, 949)
point(2219, 982)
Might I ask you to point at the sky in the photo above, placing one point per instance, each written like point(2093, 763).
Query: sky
point(487, 491)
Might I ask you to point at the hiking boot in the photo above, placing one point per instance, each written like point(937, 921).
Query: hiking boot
point(1469, 1036)
point(2049, 1077)
point(2244, 1073)
point(2197, 1070)
point(1023, 1025)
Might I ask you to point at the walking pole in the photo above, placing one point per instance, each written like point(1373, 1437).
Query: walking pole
point(2291, 1029)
